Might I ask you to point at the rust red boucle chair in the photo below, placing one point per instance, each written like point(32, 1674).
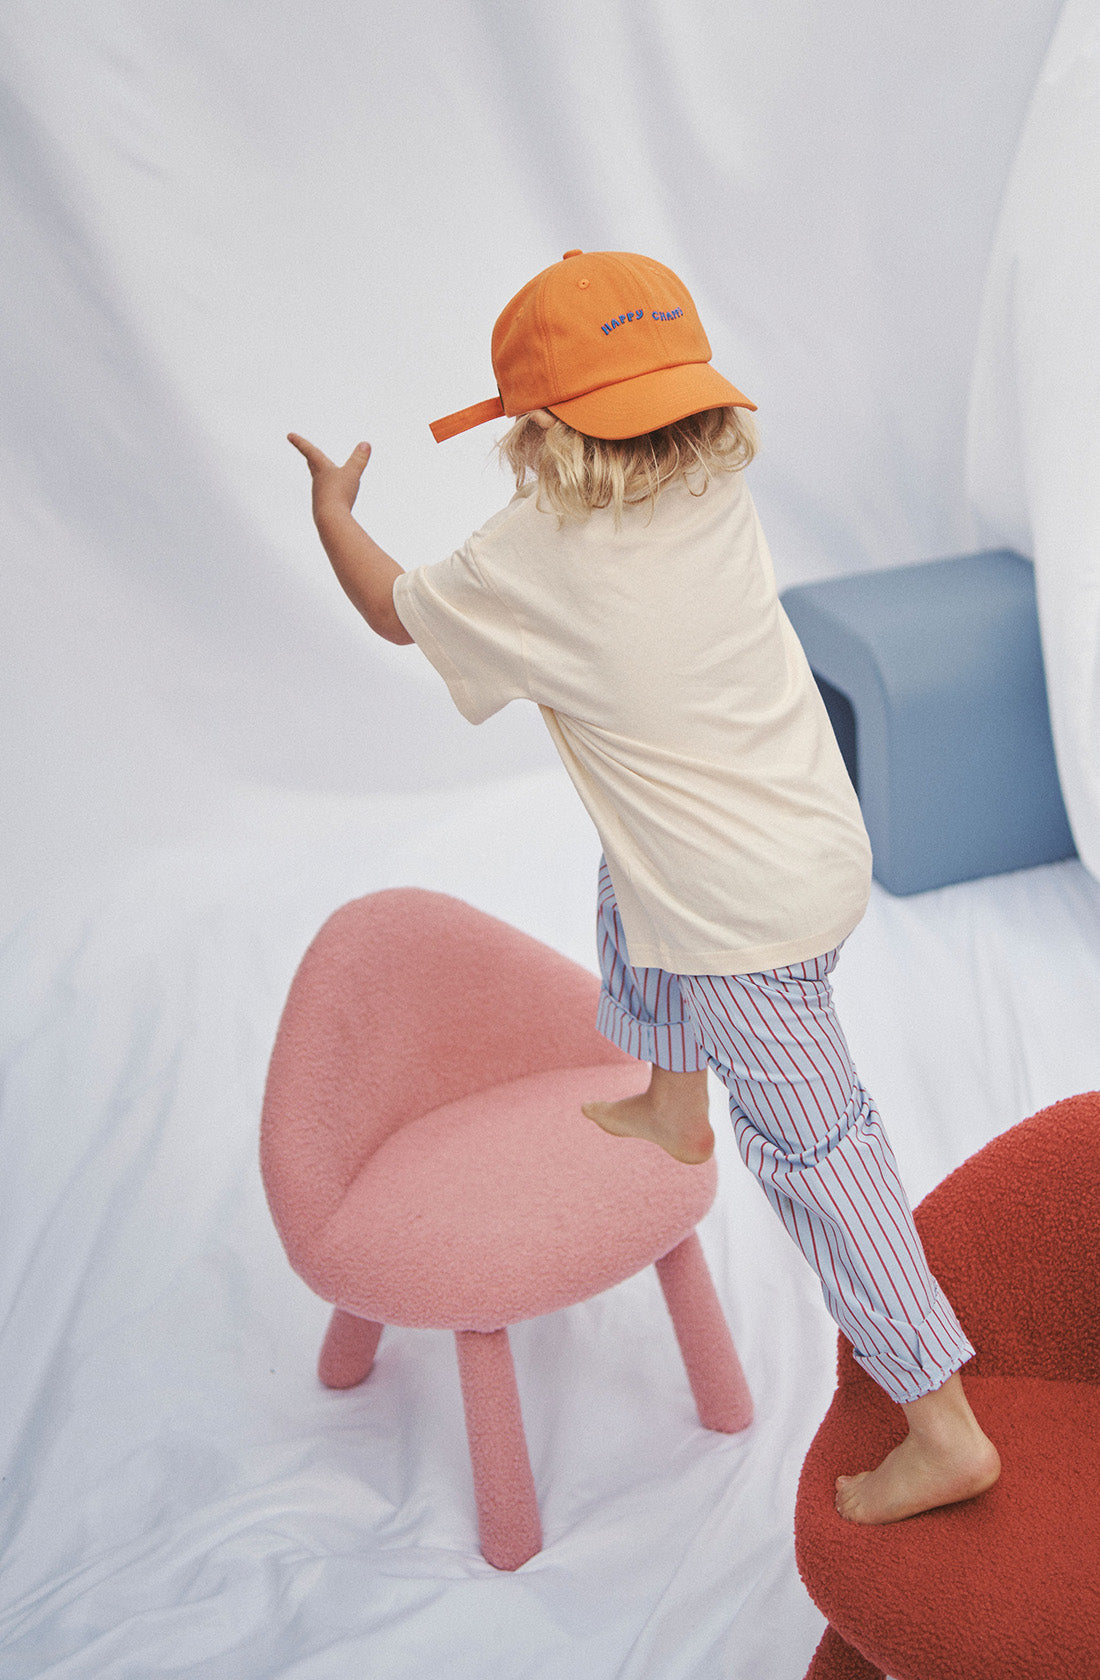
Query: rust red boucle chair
point(1006, 1586)
point(427, 1163)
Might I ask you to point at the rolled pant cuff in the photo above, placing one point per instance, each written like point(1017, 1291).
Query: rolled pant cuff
point(667, 1044)
point(906, 1386)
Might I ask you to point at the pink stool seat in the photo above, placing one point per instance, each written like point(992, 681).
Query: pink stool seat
point(505, 1205)
point(427, 1164)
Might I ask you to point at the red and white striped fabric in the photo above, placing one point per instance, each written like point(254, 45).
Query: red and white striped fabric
point(809, 1132)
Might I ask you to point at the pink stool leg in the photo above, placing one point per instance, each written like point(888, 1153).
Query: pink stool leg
point(507, 1510)
point(348, 1351)
point(834, 1660)
point(714, 1370)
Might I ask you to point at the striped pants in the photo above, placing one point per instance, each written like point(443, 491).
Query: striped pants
point(809, 1132)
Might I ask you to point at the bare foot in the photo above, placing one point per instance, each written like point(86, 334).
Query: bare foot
point(946, 1457)
point(672, 1113)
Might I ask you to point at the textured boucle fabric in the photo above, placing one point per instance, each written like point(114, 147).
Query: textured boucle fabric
point(718, 1383)
point(427, 1163)
point(348, 1351)
point(423, 1149)
point(1016, 1236)
point(1003, 1587)
point(505, 1205)
point(406, 1000)
point(508, 1513)
point(834, 1660)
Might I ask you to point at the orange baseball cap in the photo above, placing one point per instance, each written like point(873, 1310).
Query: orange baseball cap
point(609, 342)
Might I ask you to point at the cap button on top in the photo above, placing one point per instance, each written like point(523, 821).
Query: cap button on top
point(566, 254)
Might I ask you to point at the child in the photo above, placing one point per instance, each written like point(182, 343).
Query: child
point(628, 590)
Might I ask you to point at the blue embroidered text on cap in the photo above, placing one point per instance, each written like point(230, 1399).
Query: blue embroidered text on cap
point(638, 315)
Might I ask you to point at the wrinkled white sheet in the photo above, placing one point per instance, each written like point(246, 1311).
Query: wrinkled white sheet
point(182, 1496)
point(223, 223)
point(1035, 416)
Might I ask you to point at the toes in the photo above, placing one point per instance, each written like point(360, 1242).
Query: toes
point(847, 1499)
point(848, 1506)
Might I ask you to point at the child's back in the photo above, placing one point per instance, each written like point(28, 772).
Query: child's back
point(682, 706)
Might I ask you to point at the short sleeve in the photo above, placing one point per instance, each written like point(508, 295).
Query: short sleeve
point(466, 630)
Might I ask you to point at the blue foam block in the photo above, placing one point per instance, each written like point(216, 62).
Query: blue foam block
point(933, 678)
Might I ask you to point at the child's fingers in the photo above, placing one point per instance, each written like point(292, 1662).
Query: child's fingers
point(314, 456)
point(319, 462)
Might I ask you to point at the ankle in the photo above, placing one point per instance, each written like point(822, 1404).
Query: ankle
point(942, 1414)
point(670, 1089)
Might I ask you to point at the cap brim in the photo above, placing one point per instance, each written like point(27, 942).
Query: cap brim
point(466, 419)
point(649, 401)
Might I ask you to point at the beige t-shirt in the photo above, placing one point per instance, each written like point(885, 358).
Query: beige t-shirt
point(683, 708)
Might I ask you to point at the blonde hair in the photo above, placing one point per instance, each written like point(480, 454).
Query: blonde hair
point(575, 474)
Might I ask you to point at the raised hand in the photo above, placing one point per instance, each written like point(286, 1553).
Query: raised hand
point(333, 486)
point(366, 572)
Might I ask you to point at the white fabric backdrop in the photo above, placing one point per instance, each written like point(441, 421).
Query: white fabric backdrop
point(222, 224)
point(1034, 447)
point(183, 1498)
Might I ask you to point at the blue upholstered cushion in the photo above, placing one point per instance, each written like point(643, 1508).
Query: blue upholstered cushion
point(933, 677)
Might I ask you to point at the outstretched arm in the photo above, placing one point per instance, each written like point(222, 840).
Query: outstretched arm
point(365, 571)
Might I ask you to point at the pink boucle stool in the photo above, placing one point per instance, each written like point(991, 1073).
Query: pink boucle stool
point(427, 1163)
